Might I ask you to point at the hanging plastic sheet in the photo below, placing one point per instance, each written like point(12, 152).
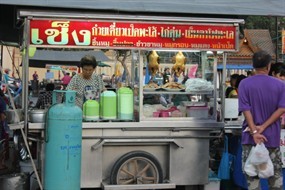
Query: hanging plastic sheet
point(238, 175)
point(226, 162)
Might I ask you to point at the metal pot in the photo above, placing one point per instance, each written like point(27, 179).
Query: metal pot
point(37, 116)
point(10, 115)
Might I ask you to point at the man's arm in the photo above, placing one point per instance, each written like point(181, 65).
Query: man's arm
point(248, 117)
point(276, 115)
point(254, 130)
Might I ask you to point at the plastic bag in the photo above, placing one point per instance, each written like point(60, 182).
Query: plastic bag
point(260, 155)
point(249, 168)
point(226, 162)
point(265, 170)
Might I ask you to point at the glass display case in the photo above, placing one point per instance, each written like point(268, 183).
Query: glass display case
point(177, 85)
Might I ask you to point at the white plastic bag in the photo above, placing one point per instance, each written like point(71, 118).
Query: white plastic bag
point(266, 170)
point(249, 168)
point(260, 155)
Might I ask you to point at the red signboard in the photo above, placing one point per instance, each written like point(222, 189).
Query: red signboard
point(138, 35)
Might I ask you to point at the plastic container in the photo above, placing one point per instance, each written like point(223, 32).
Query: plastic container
point(108, 105)
point(26, 167)
point(197, 111)
point(214, 184)
point(125, 103)
point(176, 113)
point(164, 114)
point(90, 110)
point(156, 114)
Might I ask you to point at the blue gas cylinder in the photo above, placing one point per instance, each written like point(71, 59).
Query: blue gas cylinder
point(63, 137)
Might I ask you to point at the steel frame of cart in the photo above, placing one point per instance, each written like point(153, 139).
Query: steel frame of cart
point(163, 152)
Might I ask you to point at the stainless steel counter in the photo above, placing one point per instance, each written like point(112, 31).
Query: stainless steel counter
point(147, 125)
point(180, 146)
point(234, 126)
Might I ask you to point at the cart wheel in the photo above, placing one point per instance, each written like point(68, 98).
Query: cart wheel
point(137, 167)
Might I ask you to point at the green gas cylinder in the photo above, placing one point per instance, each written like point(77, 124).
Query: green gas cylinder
point(125, 103)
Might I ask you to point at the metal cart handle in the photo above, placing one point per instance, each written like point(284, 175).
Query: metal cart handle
point(103, 141)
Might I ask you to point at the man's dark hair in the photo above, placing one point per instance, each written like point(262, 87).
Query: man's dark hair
point(234, 76)
point(261, 59)
point(88, 60)
point(249, 73)
point(239, 79)
point(50, 87)
point(276, 68)
point(166, 68)
point(1, 93)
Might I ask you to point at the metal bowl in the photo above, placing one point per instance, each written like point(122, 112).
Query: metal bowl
point(37, 116)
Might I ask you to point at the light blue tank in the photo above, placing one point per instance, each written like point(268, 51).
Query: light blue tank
point(63, 137)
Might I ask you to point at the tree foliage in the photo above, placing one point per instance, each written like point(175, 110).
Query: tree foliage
point(252, 22)
point(121, 56)
point(265, 22)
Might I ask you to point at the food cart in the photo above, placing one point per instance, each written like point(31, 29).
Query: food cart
point(145, 152)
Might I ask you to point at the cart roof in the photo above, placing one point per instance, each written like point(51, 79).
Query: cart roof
point(44, 57)
point(199, 8)
point(214, 7)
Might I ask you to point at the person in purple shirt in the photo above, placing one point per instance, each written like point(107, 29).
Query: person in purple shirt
point(261, 100)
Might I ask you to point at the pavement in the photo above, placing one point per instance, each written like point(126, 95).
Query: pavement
point(12, 158)
point(13, 176)
point(10, 161)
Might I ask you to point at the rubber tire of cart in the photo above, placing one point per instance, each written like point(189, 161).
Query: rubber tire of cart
point(132, 155)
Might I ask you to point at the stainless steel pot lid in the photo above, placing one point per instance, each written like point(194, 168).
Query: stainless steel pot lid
point(38, 111)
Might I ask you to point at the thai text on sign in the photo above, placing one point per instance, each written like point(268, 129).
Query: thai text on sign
point(138, 35)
